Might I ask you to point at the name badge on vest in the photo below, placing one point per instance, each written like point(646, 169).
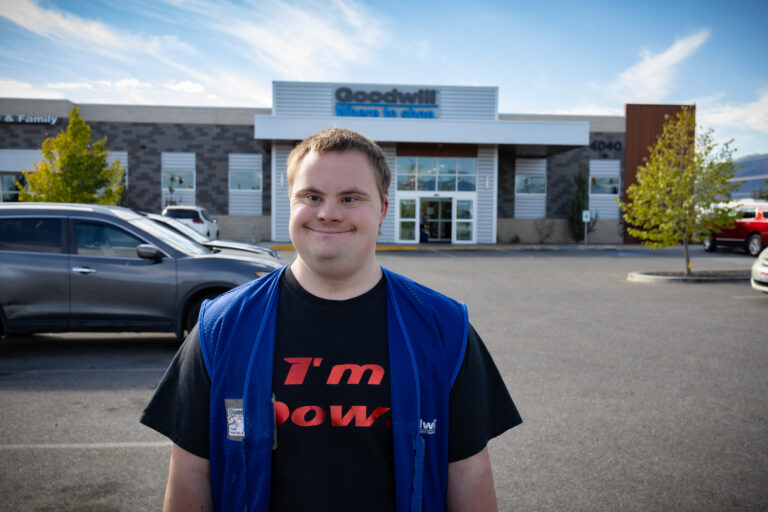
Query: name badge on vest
point(235, 419)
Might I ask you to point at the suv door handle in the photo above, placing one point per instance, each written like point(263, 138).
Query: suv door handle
point(83, 270)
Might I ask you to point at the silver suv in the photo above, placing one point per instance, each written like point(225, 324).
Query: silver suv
point(68, 267)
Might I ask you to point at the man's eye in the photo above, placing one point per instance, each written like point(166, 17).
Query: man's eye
point(349, 199)
point(313, 197)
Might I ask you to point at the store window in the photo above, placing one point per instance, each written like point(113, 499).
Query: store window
point(178, 178)
point(604, 188)
point(430, 174)
point(244, 180)
point(604, 185)
point(245, 183)
point(9, 189)
point(530, 184)
point(530, 188)
point(407, 169)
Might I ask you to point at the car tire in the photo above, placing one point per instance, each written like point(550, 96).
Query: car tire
point(754, 244)
point(190, 320)
point(710, 244)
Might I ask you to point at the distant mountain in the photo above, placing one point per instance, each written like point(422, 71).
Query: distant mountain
point(752, 174)
point(752, 165)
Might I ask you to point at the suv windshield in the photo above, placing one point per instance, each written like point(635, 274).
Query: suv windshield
point(184, 230)
point(170, 237)
point(204, 214)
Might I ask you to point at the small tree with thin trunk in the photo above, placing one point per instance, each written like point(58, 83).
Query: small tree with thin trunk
point(579, 203)
point(74, 169)
point(681, 190)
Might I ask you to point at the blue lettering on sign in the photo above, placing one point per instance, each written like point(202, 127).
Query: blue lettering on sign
point(345, 110)
point(391, 104)
point(417, 114)
point(348, 110)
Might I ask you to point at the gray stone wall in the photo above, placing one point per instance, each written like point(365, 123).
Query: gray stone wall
point(561, 170)
point(145, 142)
point(506, 198)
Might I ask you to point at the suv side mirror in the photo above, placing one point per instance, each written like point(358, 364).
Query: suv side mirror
point(149, 252)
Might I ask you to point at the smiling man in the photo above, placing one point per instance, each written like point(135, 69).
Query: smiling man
point(332, 384)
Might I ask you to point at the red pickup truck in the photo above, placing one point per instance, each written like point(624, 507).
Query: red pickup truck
point(750, 230)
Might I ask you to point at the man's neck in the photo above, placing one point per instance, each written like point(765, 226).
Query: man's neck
point(336, 285)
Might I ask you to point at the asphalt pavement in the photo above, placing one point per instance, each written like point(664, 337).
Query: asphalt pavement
point(634, 396)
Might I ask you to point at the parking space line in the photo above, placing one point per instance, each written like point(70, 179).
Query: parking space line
point(84, 446)
point(85, 370)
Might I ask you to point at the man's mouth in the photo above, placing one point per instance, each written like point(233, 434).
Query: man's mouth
point(326, 231)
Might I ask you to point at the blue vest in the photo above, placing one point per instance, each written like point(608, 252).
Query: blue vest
point(427, 335)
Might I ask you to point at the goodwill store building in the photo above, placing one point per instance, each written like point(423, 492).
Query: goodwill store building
point(462, 172)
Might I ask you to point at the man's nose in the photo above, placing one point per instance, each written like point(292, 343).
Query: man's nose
point(330, 211)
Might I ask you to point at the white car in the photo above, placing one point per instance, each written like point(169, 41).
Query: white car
point(195, 217)
point(760, 272)
point(226, 245)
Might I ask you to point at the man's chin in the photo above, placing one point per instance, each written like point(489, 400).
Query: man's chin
point(323, 252)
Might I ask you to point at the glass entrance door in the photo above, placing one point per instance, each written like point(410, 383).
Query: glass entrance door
point(464, 220)
point(436, 219)
point(448, 218)
point(407, 222)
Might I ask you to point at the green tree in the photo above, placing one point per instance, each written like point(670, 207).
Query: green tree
point(680, 191)
point(74, 169)
point(579, 203)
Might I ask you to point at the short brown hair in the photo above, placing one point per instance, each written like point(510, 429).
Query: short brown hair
point(338, 140)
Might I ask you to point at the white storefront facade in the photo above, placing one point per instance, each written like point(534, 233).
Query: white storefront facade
point(441, 142)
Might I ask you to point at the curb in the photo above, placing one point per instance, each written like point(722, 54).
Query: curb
point(495, 247)
point(707, 276)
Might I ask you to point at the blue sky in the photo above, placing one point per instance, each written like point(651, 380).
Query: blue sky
point(554, 57)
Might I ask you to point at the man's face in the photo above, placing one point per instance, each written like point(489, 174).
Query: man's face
point(336, 212)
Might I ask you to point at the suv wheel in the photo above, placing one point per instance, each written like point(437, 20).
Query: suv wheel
point(194, 310)
point(709, 244)
point(754, 244)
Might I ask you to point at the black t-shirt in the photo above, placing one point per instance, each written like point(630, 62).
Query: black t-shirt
point(332, 402)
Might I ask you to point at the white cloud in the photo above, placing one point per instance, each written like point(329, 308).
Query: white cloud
point(185, 87)
point(70, 85)
point(71, 30)
point(752, 115)
point(16, 89)
point(240, 92)
point(651, 79)
point(589, 109)
point(746, 123)
point(304, 41)
point(125, 84)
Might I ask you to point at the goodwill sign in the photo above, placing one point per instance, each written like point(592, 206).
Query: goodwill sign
point(421, 104)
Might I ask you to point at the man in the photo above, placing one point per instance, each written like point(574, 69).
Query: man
point(332, 384)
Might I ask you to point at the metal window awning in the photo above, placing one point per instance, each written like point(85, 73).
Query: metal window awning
point(548, 133)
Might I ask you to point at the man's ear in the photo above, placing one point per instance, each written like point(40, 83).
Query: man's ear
point(384, 208)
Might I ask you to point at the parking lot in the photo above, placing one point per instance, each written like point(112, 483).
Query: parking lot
point(634, 396)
